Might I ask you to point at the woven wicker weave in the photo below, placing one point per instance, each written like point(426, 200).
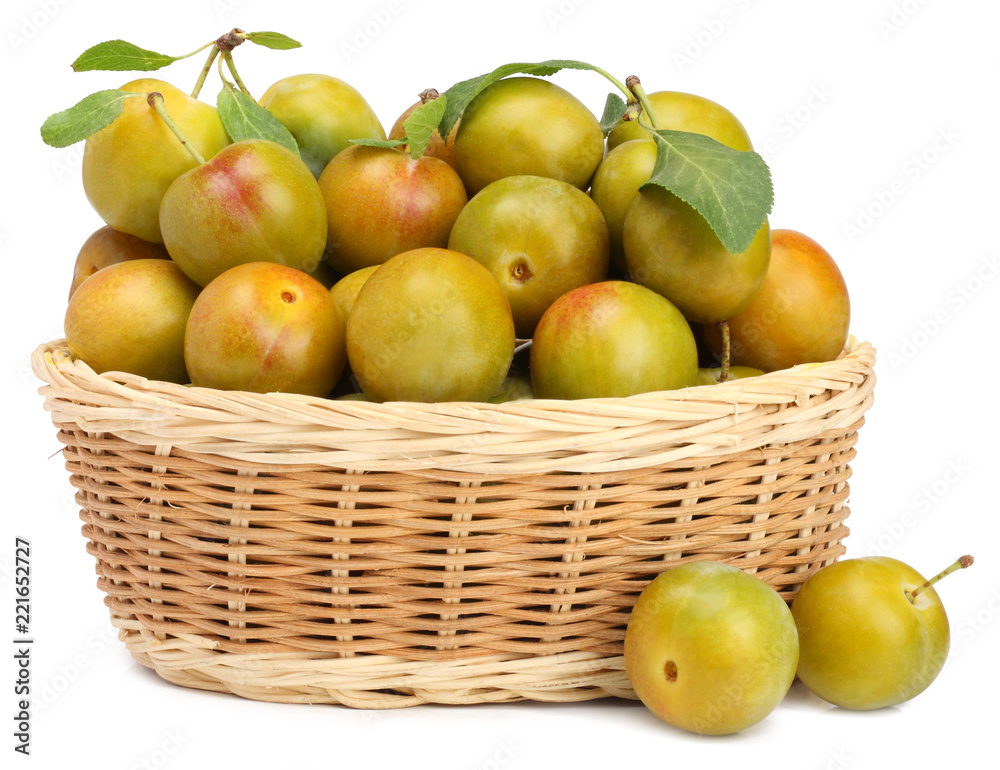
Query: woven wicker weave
point(297, 549)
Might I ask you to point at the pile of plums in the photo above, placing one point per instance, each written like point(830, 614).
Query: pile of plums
point(361, 270)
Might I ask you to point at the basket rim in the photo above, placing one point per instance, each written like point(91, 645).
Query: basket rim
point(526, 436)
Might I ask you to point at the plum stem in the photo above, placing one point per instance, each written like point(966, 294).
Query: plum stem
point(726, 350)
point(228, 58)
point(629, 89)
point(155, 100)
point(636, 90)
point(205, 70)
point(617, 83)
point(223, 45)
point(960, 563)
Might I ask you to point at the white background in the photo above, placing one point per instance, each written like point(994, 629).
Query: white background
point(879, 121)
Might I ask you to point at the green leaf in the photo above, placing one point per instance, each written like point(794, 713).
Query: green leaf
point(243, 118)
point(86, 117)
point(614, 108)
point(273, 40)
point(378, 142)
point(730, 188)
point(420, 124)
point(460, 94)
point(121, 56)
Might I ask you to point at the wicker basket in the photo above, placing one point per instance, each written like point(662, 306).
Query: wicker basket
point(306, 550)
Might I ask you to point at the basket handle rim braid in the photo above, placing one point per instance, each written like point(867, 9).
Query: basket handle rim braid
point(517, 437)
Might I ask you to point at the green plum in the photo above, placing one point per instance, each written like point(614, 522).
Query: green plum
point(381, 202)
point(526, 125)
point(107, 246)
point(539, 237)
point(712, 375)
point(872, 632)
point(670, 248)
point(323, 113)
point(353, 397)
point(678, 111)
point(515, 387)
point(430, 325)
point(255, 201)
point(128, 165)
point(345, 291)
point(264, 327)
point(616, 184)
point(801, 314)
point(632, 153)
point(131, 317)
point(709, 648)
point(611, 339)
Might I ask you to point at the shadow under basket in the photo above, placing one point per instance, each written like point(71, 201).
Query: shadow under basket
point(296, 549)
